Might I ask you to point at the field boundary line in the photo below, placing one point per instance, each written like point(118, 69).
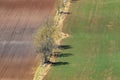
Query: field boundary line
point(43, 70)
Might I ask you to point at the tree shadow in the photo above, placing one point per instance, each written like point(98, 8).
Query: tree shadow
point(63, 12)
point(75, 0)
point(59, 63)
point(64, 47)
point(64, 55)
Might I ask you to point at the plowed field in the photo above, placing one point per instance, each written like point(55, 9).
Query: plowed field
point(19, 20)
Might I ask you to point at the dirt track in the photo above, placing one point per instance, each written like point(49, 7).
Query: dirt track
point(19, 20)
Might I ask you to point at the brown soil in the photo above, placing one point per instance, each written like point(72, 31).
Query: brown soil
point(19, 20)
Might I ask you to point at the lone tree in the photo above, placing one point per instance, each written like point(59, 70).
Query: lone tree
point(46, 48)
point(44, 41)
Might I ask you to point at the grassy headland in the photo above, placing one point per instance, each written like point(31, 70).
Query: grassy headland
point(92, 52)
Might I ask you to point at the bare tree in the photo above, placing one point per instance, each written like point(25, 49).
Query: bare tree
point(46, 48)
point(44, 40)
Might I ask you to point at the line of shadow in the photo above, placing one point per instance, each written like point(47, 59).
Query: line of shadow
point(59, 63)
point(74, 0)
point(64, 47)
point(63, 12)
point(63, 55)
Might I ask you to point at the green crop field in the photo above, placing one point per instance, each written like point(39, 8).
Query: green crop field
point(92, 52)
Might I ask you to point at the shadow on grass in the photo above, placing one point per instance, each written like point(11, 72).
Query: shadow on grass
point(64, 47)
point(75, 0)
point(59, 63)
point(64, 55)
point(63, 12)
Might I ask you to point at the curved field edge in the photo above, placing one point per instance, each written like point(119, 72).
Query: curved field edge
point(95, 42)
point(42, 70)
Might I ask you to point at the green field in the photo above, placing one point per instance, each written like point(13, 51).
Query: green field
point(93, 51)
